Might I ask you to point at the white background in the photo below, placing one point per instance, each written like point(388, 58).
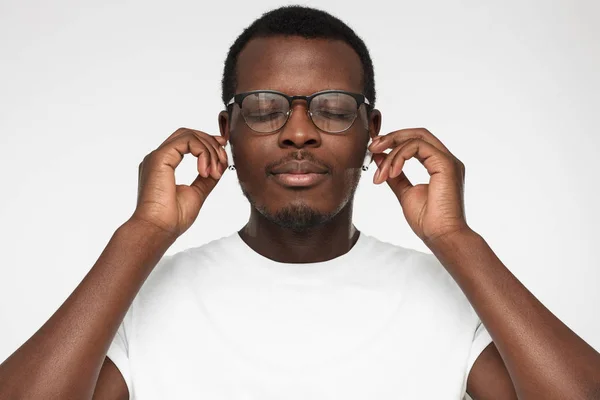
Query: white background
point(87, 89)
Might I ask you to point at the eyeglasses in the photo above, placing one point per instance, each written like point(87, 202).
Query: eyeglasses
point(266, 111)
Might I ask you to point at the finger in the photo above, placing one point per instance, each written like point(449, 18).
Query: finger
point(383, 168)
point(397, 180)
point(203, 164)
point(395, 138)
point(178, 132)
point(397, 164)
point(219, 155)
point(182, 131)
point(220, 139)
point(172, 153)
point(203, 186)
point(208, 162)
point(219, 142)
point(205, 170)
point(158, 167)
point(434, 160)
point(400, 184)
point(213, 158)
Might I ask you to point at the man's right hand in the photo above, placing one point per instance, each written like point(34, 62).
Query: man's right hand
point(62, 359)
point(170, 207)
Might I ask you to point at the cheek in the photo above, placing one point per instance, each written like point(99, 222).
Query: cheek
point(348, 157)
point(344, 157)
point(346, 163)
point(250, 167)
point(351, 178)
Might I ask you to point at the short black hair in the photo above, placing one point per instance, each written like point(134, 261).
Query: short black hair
point(306, 22)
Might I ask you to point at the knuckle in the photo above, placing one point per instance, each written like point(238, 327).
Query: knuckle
point(201, 136)
point(144, 160)
point(214, 140)
point(414, 141)
point(149, 158)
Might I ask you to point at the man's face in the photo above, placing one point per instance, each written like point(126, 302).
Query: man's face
point(298, 66)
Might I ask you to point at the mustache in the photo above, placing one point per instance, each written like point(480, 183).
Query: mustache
point(298, 156)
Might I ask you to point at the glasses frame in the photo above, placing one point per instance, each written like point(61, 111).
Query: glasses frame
point(239, 98)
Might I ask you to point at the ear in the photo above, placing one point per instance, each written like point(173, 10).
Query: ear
point(224, 126)
point(374, 123)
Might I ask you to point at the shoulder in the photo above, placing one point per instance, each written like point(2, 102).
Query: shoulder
point(184, 267)
point(421, 274)
point(420, 265)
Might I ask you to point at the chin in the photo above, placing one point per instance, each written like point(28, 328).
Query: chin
point(301, 209)
point(298, 217)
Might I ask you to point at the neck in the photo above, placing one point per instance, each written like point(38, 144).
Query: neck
point(321, 243)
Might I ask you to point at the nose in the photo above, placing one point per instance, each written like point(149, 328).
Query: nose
point(299, 131)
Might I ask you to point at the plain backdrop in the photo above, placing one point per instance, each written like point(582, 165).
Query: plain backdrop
point(88, 88)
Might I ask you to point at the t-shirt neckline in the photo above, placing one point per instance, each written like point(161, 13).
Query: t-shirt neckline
point(246, 253)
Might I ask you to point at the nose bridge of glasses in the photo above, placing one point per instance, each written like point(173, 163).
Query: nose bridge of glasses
point(295, 101)
point(304, 114)
point(301, 102)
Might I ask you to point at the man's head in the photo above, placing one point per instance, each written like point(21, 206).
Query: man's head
point(299, 51)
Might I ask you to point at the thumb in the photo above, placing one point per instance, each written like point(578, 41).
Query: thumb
point(192, 197)
point(398, 184)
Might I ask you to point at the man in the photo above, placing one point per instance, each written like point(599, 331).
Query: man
point(299, 304)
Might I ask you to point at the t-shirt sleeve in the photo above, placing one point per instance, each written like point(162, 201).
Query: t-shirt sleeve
point(481, 340)
point(118, 352)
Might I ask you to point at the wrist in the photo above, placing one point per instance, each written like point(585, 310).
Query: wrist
point(452, 239)
point(142, 228)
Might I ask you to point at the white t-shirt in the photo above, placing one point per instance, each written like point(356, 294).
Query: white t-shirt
point(220, 321)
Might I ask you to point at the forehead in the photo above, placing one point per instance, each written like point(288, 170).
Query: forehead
point(298, 66)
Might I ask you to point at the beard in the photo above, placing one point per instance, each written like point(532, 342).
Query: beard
point(297, 217)
point(300, 216)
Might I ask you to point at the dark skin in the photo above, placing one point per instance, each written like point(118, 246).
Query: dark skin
point(307, 67)
point(534, 355)
point(297, 66)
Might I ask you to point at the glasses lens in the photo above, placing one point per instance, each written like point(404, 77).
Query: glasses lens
point(333, 112)
point(265, 112)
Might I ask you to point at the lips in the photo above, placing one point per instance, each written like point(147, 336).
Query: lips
point(299, 174)
point(299, 167)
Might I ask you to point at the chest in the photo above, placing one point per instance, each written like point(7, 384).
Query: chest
point(298, 343)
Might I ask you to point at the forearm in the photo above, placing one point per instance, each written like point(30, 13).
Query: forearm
point(544, 358)
point(63, 358)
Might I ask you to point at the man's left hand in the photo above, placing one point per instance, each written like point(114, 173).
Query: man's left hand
point(432, 210)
